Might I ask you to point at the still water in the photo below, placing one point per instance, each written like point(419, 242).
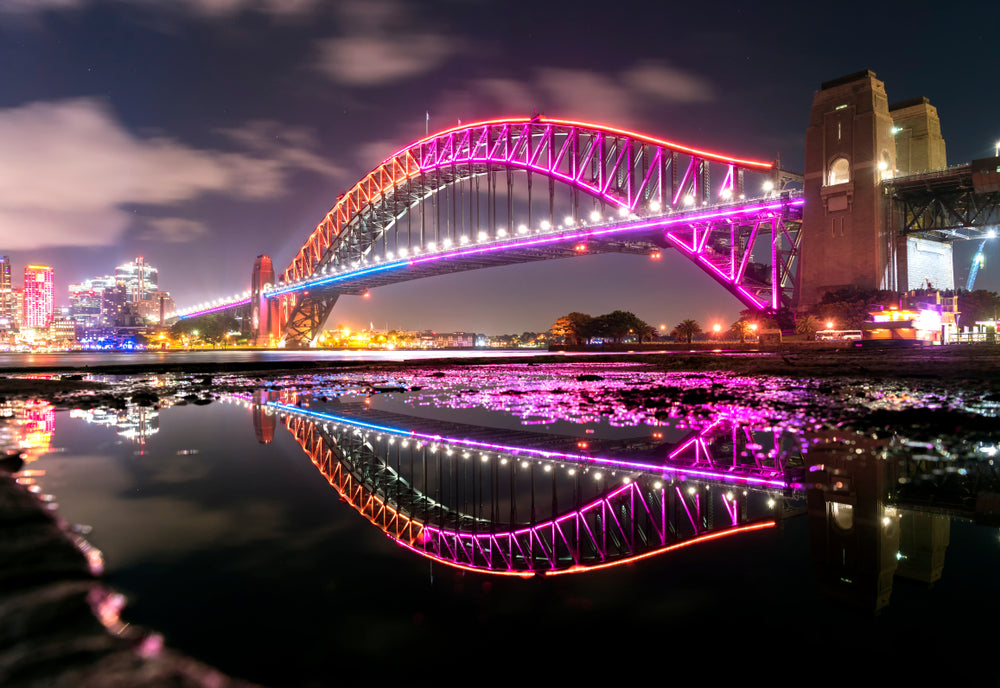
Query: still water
point(493, 524)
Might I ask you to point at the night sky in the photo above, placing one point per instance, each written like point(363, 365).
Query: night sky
point(200, 133)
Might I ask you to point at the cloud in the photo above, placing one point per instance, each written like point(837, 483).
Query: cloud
point(372, 153)
point(377, 60)
point(668, 84)
point(207, 8)
point(69, 167)
point(175, 230)
point(623, 98)
point(384, 43)
point(293, 146)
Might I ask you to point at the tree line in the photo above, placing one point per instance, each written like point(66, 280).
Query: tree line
point(581, 328)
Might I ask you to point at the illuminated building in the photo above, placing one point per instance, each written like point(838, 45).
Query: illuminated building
point(155, 308)
point(7, 299)
point(38, 292)
point(85, 300)
point(141, 280)
point(62, 328)
point(931, 322)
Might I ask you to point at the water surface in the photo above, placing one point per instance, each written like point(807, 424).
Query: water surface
point(331, 527)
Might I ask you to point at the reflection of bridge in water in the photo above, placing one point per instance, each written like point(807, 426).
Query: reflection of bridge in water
point(519, 503)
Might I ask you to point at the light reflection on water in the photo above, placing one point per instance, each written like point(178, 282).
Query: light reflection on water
point(219, 521)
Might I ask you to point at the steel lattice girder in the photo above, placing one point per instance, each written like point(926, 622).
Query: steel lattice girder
point(635, 519)
point(620, 167)
point(962, 214)
point(306, 313)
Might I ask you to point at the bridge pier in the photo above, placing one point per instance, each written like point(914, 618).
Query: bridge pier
point(264, 321)
point(855, 143)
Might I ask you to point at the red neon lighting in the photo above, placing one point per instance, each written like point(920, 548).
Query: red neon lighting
point(662, 550)
point(463, 567)
point(708, 155)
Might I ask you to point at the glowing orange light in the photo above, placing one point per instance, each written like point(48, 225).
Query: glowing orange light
point(580, 248)
point(367, 295)
point(655, 255)
point(669, 548)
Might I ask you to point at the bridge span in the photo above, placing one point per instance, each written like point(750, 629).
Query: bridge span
point(519, 190)
point(878, 208)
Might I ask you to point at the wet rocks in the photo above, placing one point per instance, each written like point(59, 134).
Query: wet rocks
point(59, 625)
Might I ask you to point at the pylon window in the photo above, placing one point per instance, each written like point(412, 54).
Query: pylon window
point(840, 172)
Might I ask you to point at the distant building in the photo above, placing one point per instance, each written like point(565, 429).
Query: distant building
point(155, 308)
point(18, 307)
point(38, 296)
point(140, 279)
point(454, 340)
point(86, 301)
point(62, 329)
point(7, 298)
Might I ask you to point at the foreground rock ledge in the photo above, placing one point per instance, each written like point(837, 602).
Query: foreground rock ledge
point(59, 625)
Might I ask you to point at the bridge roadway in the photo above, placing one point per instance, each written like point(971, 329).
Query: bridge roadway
point(690, 231)
point(648, 454)
point(959, 203)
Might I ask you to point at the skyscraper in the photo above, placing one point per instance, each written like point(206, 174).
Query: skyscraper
point(38, 295)
point(7, 298)
point(140, 279)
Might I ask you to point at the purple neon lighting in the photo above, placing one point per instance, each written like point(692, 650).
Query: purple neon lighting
point(559, 456)
point(572, 235)
point(234, 304)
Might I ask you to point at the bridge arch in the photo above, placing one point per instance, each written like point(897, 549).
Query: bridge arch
point(396, 211)
point(642, 514)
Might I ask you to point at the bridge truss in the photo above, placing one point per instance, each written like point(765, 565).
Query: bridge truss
point(950, 205)
point(521, 511)
point(517, 190)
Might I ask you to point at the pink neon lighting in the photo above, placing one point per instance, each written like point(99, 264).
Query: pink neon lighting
point(708, 155)
point(463, 567)
point(234, 304)
point(460, 550)
point(579, 568)
point(575, 235)
point(683, 184)
point(582, 458)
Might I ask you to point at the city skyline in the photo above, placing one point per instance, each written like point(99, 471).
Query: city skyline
point(202, 158)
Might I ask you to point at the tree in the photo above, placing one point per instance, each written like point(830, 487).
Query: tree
point(688, 329)
point(977, 305)
point(808, 326)
point(849, 307)
point(743, 328)
point(575, 328)
point(211, 327)
point(618, 325)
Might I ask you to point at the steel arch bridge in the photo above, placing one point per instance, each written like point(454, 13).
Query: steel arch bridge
point(649, 509)
point(468, 198)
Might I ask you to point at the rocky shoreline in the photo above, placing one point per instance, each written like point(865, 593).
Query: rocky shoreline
point(59, 624)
